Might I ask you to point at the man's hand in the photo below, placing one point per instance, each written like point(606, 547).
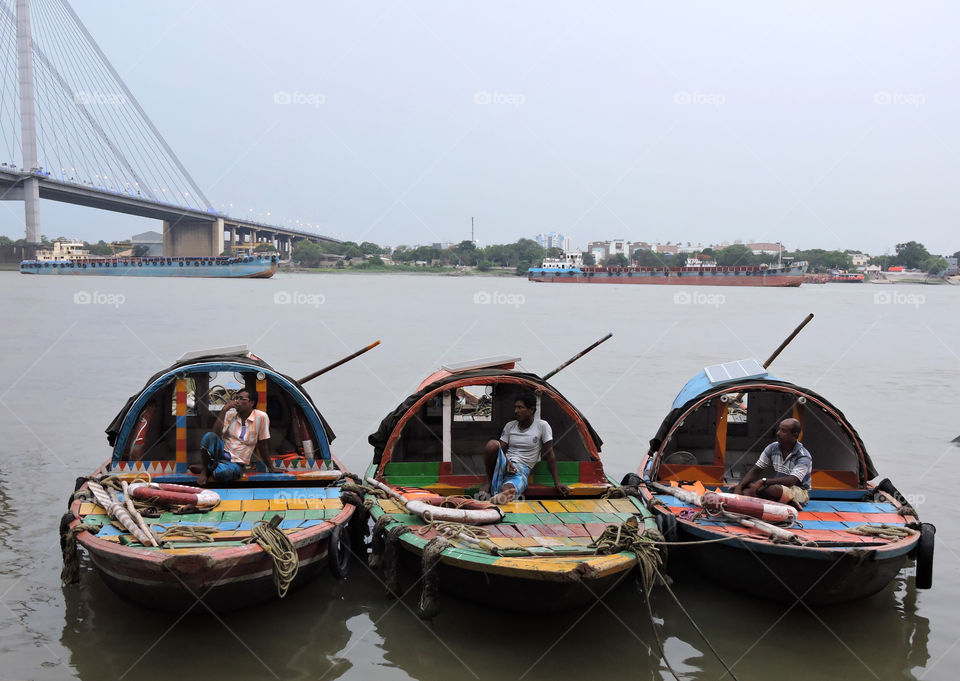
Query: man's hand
point(563, 490)
point(510, 467)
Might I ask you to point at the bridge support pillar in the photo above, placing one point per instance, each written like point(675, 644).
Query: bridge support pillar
point(196, 238)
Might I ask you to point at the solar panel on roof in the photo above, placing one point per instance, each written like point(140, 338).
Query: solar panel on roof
point(732, 371)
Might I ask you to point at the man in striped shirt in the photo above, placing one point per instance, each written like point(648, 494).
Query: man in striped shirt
point(240, 429)
point(791, 466)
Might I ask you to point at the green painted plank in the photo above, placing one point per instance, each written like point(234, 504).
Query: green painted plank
point(169, 518)
point(585, 518)
point(412, 468)
point(313, 514)
point(96, 519)
point(269, 514)
point(295, 515)
point(330, 513)
point(412, 480)
point(211, 517)
point(185, 517)
point(407, 518)
point(612, 517)
point(522, 518)
point(232, 517)
point(568, 471)
point(252, 516)
point(548, 519)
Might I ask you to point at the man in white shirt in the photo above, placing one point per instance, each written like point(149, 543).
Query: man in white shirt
point(240, 430)
point(510, 459)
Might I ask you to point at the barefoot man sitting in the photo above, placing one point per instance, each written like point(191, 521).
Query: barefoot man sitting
point(510, 459)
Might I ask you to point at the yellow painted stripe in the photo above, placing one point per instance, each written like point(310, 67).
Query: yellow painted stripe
point(255, 505)
point(553, 507)
point(228, 505)
point(277, 504)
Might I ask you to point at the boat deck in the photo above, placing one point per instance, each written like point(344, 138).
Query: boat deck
point(234, 516)
point(825, 521)
point(545, 526)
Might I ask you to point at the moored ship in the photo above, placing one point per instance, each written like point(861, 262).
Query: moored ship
point(255, 266)
point(787, 274)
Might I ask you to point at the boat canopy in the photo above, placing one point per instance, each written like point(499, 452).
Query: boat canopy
point(385, 434)
point(728, 422)
point(287, 403)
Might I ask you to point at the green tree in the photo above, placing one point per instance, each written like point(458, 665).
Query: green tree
point(140, 250)
point(911, 255)
point(307, 254)
point(370, 248)
point(935, 265)
point(738, 254)
point(265, 248)
point(589, 260)
point(616, 260)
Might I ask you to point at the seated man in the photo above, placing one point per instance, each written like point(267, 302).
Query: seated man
point(791, 482)
point(524, 441)
point(242, 428)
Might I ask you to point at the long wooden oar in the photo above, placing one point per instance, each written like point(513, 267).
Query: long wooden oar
point(346, 359)
point(787, 341)
point(577, 356)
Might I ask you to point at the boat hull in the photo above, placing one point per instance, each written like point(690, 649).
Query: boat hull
point(680, 276)
point(224, 579)
point(815, 576)
point(251, 267)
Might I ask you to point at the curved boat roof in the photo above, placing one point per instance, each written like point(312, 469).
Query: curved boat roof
point(207, 363)
point(701, 386)
point(439, 379)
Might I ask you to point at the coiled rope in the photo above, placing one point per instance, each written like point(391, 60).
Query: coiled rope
point(278, 546)
point(883, 531)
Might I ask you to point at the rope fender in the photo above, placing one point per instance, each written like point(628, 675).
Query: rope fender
point(429, 597)
point(70, 574)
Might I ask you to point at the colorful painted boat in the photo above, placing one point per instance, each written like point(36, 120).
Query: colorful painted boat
point(541, 555)
point(156, 436)
point(741, 275)
point(255, 266)
point(838, 551)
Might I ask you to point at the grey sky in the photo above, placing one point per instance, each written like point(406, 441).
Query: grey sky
point(818, 124)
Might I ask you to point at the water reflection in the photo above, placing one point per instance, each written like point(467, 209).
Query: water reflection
point(883, 636)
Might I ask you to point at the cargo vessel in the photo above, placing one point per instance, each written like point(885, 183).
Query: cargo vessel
point(697, 275)
point(247, 266)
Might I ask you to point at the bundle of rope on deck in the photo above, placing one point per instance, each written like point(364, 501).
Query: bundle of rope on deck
point(883, 531)
point(278, 546)
point(198, 533)
point(628, 536)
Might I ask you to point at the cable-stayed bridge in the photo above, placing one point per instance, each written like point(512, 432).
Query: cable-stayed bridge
point(73, 132)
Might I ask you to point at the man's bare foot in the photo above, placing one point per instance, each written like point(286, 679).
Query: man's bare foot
point(483, 494)
point(202, 479)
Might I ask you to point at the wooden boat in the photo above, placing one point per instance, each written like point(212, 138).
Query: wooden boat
point(156, 437)
point(718, 426)
point(540, 556)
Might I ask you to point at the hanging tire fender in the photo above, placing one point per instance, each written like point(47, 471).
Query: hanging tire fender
point(339, 552)
point(925, 556)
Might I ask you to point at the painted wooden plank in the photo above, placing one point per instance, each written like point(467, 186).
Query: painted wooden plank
point(254, 505)
point(529, 530)
point(528, 518)
point(315, 504)
point(228, 505)
point(548, 519)
point(508, 530)
point(577, 530)
point(553, 506)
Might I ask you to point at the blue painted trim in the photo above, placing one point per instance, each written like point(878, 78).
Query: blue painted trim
point(293, 390)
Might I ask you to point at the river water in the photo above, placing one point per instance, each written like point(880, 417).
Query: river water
point(73, 349)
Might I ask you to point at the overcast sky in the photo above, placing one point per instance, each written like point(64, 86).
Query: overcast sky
point(816, 124)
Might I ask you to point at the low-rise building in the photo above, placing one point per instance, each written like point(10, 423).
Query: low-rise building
point(151, 243)
point(762, 248)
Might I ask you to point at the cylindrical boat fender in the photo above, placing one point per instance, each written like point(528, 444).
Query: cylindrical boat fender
point(925, 556)
point(139, 442)
point(339, 558)
point(428, 511)
point(667, 524)
point(764, 509)
point(174, 495)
